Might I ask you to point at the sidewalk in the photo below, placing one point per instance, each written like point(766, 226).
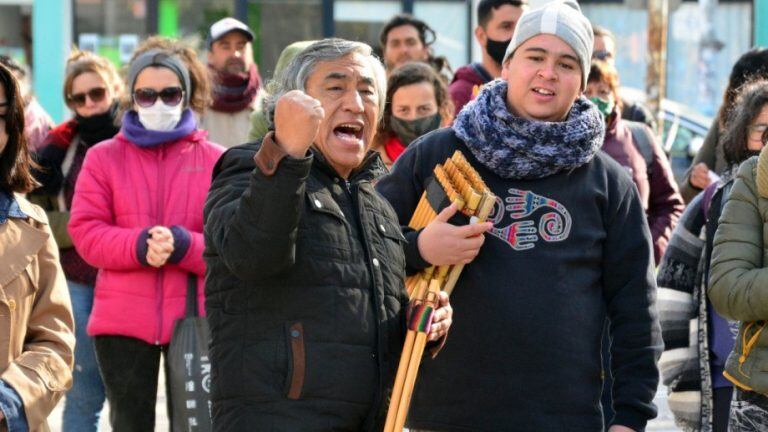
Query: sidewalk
point(663, 423)
point(161, 416)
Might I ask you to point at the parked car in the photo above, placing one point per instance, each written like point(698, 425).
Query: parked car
point(683, 132)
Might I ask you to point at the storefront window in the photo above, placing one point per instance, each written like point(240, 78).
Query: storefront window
point(15, 32)
point(196, 16)
point(111, 28)
point(450, 20)
point(363, 20)
point(279, 23)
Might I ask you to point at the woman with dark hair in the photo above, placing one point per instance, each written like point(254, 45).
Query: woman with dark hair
point(738, 283)
point(752, 65)
point(697, 339)
point(417, 102)
point(137, 216)
point(91, 89)
point(634, 146)
point(36, 322)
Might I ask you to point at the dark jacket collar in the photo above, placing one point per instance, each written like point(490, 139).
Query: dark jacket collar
point(372, 167)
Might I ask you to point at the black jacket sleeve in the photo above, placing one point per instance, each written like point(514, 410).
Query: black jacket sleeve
point(630, 295)
point(251, 219)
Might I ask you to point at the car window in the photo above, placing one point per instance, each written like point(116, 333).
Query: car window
point(681, 144)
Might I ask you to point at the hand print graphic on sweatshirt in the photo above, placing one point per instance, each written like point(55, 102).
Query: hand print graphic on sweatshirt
point(534, 217)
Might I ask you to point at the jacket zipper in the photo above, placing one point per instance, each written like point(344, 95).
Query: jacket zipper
point(160, 274)
point(358, 205)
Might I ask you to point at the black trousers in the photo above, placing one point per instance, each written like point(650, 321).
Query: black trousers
point(129, 368)
point(721, 408)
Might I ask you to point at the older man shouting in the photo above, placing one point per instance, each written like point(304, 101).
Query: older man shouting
point(306, 262)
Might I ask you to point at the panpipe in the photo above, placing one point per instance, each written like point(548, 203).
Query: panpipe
point(453, 182)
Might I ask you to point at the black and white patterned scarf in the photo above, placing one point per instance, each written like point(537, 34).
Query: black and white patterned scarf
point(518, 148)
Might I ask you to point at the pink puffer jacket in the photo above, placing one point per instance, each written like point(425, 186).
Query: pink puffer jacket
point(122, 190)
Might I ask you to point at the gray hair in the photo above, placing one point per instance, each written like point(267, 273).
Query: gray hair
point(296, 74)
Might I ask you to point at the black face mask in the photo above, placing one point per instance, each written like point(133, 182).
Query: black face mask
point(409, 130)
point(99, 127)
point(497, 49)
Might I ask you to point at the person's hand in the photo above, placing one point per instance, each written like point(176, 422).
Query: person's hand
point(160, 246)
point(700, 176)
point(442, 318)
point(441, 243)
point(619, 428)
point(297, 120)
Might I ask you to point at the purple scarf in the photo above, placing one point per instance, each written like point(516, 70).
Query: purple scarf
point(234, 92)
point(136, 133)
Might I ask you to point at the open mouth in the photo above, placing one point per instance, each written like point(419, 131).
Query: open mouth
point(543, 91)
point(350, 132)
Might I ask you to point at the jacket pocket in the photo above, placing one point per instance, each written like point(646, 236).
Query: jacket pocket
point(323, 230)
point(52, 371)
point(393, 245)
point(747, 365)
point(296, 360)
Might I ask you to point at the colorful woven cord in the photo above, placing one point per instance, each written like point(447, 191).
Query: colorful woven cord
point(420, 318)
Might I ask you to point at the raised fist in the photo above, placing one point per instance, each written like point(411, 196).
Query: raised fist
point(297, 120)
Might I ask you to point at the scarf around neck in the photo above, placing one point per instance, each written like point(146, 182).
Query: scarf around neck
point(234, 92)
point(99, 127)
point(518, 148)
point(136, 133)
point(394, 148)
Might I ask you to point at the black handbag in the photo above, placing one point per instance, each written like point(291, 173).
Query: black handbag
point(190, 369)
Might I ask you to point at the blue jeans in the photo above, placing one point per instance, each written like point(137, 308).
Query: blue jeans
point(86, 397)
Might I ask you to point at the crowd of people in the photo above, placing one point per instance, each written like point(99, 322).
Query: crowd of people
point(288, 203)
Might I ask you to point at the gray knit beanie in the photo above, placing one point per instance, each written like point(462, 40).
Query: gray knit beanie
point(562, 18)
point(160, 58)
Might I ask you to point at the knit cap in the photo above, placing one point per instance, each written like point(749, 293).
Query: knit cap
point(160, 58)
point(562, 18)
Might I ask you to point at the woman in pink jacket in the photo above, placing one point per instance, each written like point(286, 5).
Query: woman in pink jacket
point(137, 216)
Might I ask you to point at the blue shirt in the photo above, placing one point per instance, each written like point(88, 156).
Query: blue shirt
point(9, 208)
point(10, 401)
point(13, 409)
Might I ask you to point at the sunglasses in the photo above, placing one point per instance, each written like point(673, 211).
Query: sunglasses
point(96, 94)
point(601, 55)
point(146, 97)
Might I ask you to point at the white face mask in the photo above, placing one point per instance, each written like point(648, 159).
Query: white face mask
point(160, 117)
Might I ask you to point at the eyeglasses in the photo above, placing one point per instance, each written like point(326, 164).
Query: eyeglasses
point(601, 55)
point(96, 94)
point(147, 97)
point(757, 132)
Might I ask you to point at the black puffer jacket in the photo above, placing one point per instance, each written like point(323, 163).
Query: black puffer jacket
point(304, 294)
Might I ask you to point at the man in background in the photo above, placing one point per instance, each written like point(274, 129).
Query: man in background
point(406, 38)
point(496, 20)
point(236, 81)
